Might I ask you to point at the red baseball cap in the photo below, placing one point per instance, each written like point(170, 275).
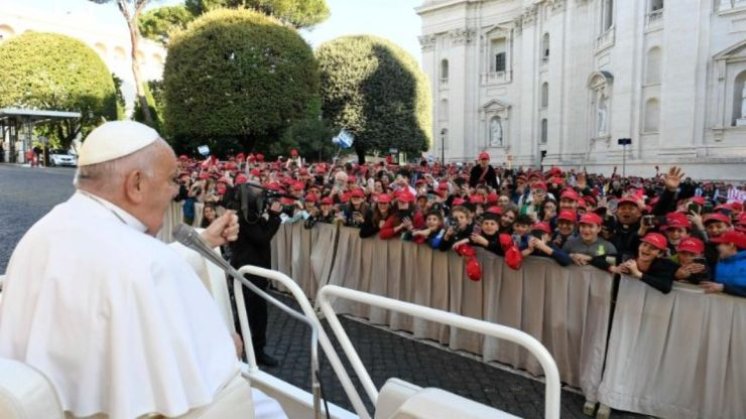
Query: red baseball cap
point(357, 193)
point(298, 186)
point(691, 245)
point(405, 196)
point(568, 216)
point(570, 194)
point(443, 186)
point(677, 220)
point(539, 185)
point(458, 201)
point(731, 237)
point(495, 210)
point(484, 155)
point(699, 200)
point(492, 198)
point(327, 200)
point(591, 218)
point(543, 227)
point(656, 240)
point(241, 179)
point(715, 217)
point(476, 199)
point(384, 198)
point(631, 200)
point(311, 198)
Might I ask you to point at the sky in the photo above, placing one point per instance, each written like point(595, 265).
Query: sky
point(395, 20)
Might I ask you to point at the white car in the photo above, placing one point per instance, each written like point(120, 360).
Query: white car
point(62, 158)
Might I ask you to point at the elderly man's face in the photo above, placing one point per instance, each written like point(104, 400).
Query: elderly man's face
point(159, 189)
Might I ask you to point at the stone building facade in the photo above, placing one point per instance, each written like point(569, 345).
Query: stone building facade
point(558, 82)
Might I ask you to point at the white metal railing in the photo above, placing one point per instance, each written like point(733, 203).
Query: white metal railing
point(327, 293)
point(317, 332)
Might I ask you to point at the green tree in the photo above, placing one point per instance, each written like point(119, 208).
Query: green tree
point(154, 96)
point(375, 90)
point(298, 13)
point(235, 78)
point(56, 72)
point(311, 136)
point(131, 11)
point(158, 24)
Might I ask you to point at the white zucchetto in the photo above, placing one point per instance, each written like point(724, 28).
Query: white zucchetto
point(115, 139)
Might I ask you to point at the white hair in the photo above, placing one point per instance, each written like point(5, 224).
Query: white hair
point(109, 175)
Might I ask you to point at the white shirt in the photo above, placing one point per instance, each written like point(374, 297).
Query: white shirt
point(116, 319)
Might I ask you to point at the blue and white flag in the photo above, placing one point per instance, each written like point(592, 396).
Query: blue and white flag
point(344, 139)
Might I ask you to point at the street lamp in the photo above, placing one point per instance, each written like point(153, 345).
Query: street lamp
point(443, 135)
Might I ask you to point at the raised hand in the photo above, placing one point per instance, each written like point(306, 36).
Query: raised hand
point(672, 179)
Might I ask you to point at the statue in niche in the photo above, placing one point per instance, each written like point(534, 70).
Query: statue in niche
point(602, 113)
point(743, 102)
point(496, 133)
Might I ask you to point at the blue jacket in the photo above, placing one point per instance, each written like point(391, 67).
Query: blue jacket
point(731, 272)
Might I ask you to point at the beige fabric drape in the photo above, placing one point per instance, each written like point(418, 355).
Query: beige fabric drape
point(677, 355)
point(567, 309)
point(304, 254)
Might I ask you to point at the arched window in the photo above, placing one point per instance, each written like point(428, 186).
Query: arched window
point(656, 5)
point(739, 98)
point(653, 66)
point(544, 95)
point(545, 47)
point(544, 130)
point(652, 115)
point(120, 54)
point(444, 70)
point(443, 110)
point(6, 32)
point(101, 49)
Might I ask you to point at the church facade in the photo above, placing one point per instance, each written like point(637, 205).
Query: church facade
point(560, 82)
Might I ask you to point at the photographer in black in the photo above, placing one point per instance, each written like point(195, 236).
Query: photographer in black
point(258, 224)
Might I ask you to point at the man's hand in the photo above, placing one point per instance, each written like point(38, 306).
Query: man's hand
point(223, 230)
point(711, 287)
point(672, 179)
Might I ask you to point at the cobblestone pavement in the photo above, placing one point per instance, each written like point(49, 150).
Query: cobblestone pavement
point(27, 194)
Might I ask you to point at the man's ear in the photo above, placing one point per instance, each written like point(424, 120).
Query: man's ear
point(133, 186)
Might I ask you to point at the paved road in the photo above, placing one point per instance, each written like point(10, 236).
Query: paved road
point(27, 194)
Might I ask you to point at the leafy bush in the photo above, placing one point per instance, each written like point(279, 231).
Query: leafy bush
point(235, 78)
point(56, 72)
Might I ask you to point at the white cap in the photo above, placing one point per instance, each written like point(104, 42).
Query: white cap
point(115, 139)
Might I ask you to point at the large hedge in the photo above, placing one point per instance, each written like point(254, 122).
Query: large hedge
point(299, 13)
point(234, 78)
point(55, 72)
point(375, 90)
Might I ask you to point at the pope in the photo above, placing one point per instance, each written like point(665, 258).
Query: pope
point(116, 319)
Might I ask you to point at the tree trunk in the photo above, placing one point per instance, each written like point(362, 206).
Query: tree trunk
point(139, 86)
point(360, 156)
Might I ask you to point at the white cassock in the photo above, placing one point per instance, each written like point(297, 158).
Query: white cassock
point(117, 320)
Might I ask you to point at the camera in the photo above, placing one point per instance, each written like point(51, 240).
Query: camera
point(648, 220)
point(694, 208)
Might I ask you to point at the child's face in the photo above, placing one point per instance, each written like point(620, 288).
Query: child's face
point(433, 222)
point(462, 219)
point(520, 229)
point(489, 227)
point(565, 227)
